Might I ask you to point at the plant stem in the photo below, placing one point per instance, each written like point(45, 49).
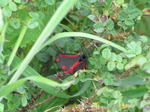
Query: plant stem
point(54, 21)
point(80, 34)
point(2, 38)
point(24, 29)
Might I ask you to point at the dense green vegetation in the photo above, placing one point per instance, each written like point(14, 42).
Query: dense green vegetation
point(113, 34)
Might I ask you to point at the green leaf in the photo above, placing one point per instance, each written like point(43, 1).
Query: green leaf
point(113, 57)
point(93, 18)
point(6, 11)
point(108, 81)
point(119, 2)
point(130, 54)
point(15, 23)
point(33, 23)
point(119, 58)
point(122, 16)
point(106, 53)
point(141, 61)
point(92, 1)
point(21, 90)
point(120, 66)
point(50, 2)
point(91, 60)
point(132, 80)
point(138, 50)
point(17, 1)
point(12, 6)
point(119, 23)
point(1, 107)
point(129, 22)
point(24, 101)
point(132, 63)
point(34, 15)
point(146, 67)
point(131, 5)
point(98, 24)
point(3, 3)
point(109, 24)
point(143, 38)
point(134, 13)
point(42, 56)
point(24, 1)
point(117, 95)
point(136, 92)
point(99, 30)
point(111, 65)
point(52, 51)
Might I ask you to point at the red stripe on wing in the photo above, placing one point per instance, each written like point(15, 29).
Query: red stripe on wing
point(65, 55)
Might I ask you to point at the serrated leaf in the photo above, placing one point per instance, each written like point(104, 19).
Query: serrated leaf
point(106, 53)
point(6, 11)
point(111, 65)
point(12, 6)
point(98, 24)
point(129, 22)
point(109, 24)
point(131, 4)
point(50, 2)
point(134, 13)
point(120, 66)
point(24, 101)
point(122, 16)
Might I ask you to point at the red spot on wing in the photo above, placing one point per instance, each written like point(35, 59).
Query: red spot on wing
point(63, 67)
point(57, 60)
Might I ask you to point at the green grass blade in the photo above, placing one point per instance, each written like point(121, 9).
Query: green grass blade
point(54, 21)
point(24, 29)
point(37, 79)
point(85, 35)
